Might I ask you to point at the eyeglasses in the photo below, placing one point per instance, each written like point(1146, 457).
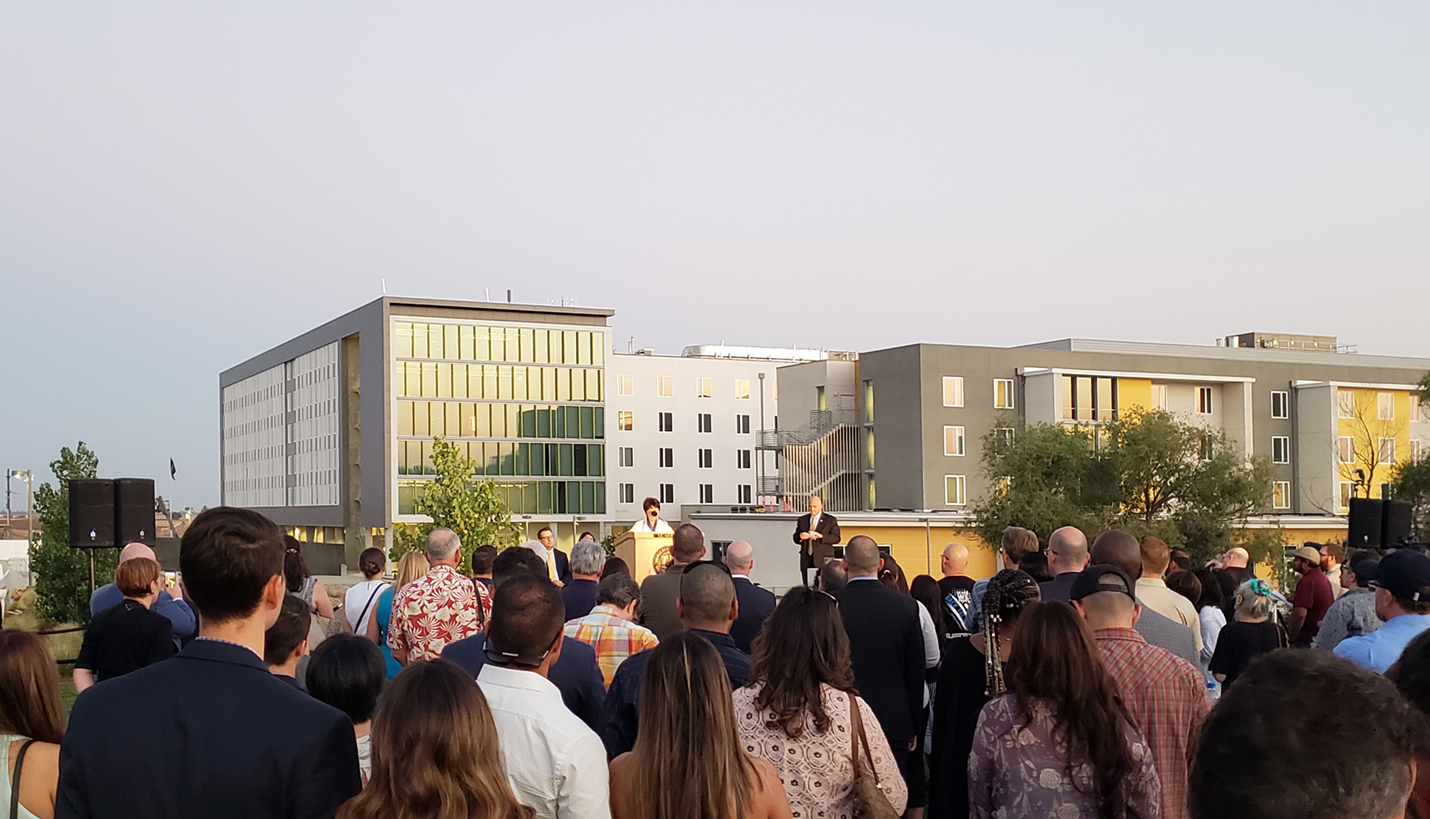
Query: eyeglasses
point(832, 598)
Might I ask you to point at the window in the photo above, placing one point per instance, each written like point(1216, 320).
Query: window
point(628, 456)
point(742, 388)
point(1004, 436)
point(665, 421)
point(868, 402)
point(953, 390)
point(955, 490)
point(707, 493)
point(704, 423)
point(1417, 449)
point(664, 386)
point(953, 440)
point(1387, 450)
point(742, 424)
point(868, 447)
point(1280, 449)
point(1002, 393)
point(1205, 447)
point(1159, 397)
point(667, 457)
point(703, 388)
point(1089, 398)
point(624, 385)
point(1346, 488)
point(706, 458)
point(1346, 403)
point(1281, 495)
point(1346, 449)
point(1385, 406)
point(628, 493)
point(667, 493)
point(742, 459)
point(1280, 405)
point(625, 421)
point(1415, 408)
point(1204, 400)
point(743, 493)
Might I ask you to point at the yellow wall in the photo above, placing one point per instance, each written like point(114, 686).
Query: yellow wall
point(918, 552)
point(1367, 404)
point(1134, 392)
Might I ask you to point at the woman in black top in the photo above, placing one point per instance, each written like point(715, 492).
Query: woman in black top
point(970, 675)
point(1249, 636)
point(128, 636)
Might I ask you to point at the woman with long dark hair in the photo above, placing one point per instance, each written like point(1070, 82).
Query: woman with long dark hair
point(687, 762)
point(32, 722)
point(302, 583)
point(1212, 618)
point(795, 712)
point(1059, 743)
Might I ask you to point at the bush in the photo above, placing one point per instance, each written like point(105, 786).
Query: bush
point(62, 573)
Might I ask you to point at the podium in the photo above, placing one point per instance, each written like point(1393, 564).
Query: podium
point(647, 553)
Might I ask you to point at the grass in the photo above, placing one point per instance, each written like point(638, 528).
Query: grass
point(20, 615)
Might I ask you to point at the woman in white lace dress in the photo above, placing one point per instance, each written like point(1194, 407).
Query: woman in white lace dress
point(794, 713)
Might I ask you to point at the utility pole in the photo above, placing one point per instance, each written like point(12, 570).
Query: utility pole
point(759, 444)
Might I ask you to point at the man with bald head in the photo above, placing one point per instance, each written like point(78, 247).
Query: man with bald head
point(1235, 570)
point(957, 590)
point(1067, 557)
point(1118, 548)
point(176, 610)
point(756, 604)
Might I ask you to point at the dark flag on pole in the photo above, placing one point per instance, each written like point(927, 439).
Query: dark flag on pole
point(173, 471)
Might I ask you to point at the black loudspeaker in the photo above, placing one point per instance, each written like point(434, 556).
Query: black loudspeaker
point(92, 513)
point(1395, 523)
point(133, 511)
point(1365, 523)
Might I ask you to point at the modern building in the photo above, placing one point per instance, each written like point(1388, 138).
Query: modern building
point(330, 434)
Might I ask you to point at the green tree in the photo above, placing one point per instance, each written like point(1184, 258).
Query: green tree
point(1045, 477)
point(454, 500)
point(1411, 480)
point(1425, 388)
point(61, 572)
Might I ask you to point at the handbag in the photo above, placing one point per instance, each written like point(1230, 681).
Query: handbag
point(15, 779)
point(867, 794)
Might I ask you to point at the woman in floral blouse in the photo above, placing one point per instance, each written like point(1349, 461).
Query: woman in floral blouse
point(1059, 744)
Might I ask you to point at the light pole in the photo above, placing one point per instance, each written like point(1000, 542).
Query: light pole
point(759, 446)
point(28, 476)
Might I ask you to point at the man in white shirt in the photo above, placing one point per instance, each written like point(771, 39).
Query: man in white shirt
point(554, 763)
point(651, 522)
point(1152, 591)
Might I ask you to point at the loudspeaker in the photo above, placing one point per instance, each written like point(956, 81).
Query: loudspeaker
point(92, 513)
point(1395, 522)
point(1365, 523)
point(134, 511)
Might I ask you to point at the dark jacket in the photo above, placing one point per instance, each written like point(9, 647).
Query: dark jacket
point(756, 606)
point(813, 553)
point(579, 597)
point(1058, 589)
point(209, 733)
point(886, 648)
point(563, 566)
point(575, 673)
point(658, 595)
point(125, 638)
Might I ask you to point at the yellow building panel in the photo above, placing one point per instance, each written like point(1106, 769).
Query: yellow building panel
point(1366, 427)
point(917, 551)
point(1134, 392)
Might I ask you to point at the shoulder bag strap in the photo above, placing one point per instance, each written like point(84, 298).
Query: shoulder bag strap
point(375, 592)
point(15, 779)
point(858, 739)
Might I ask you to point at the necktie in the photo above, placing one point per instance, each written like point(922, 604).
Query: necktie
point(551, 563)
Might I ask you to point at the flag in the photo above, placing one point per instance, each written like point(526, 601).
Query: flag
point(173, 470)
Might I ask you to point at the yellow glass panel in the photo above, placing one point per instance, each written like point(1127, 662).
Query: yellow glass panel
point(481, 344)
point(578, 385)
point(421, 419)
point(444, 380)
point(489, 381)
point(429, 379)
point(419, 340)
point(498, 337)
point(435, 346)
point(518, 384)
point(583, 347)
point(464, 342)
point(528, 345)
point(402, 339)
point(459, 380)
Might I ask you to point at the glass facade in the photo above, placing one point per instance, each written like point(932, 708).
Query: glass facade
point(525, 403)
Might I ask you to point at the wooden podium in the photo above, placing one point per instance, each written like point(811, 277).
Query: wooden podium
point(647, 553)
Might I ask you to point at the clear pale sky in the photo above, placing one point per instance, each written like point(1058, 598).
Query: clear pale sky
point(185, 185)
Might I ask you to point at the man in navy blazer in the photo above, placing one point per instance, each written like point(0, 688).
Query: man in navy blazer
point(756, 604)
point(211, 732)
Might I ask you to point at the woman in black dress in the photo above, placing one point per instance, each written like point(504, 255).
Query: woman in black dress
point(1252, 634)
point(971, 675)
point(128, 636)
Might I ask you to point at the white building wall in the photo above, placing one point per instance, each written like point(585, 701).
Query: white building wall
point(255, 440)
point(313, 431)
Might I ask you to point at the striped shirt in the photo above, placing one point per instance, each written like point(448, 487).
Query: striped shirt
point(612, 636)
point(1166, 698)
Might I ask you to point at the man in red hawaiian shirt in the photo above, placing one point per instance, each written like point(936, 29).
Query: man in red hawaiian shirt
point(439, 608)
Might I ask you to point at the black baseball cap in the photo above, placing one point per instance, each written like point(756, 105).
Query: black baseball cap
point(1405, 574)
point(1089, 581)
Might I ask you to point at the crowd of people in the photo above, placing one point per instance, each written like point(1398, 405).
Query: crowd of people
point(1102, 679)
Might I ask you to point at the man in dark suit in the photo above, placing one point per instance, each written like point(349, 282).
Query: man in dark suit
point(756, 604)
point(659, 592)
point(562, 560)
point(886, 648)
point(816, 534)
point(1067, 557)
point(220, 735)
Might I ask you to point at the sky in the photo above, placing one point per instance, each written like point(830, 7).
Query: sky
point(183, 186)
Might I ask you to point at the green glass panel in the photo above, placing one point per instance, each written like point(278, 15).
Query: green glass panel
point(578, 459)
point(537, 461)
point(543, 422)
point(588, 498)
point(508, 458)
point(600, 422)
point(528, 422)
point(595, 460)
point(600, 498)
point(573, 422)
point(588, 422)
point(564, 466)
point(522, 465)
point(544, 505)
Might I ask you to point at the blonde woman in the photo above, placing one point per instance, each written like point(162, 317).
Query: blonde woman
point(1252, 634)
point(687, 762)
point(412, 566)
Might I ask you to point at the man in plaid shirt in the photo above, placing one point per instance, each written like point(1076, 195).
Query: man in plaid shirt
point(609, 628)
point(1164, 694)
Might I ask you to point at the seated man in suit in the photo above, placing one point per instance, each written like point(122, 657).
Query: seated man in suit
point(220, 736)
point(756, 604)
point(815, 533)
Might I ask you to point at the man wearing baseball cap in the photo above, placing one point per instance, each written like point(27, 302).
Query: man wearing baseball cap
point(1313, 596)
point(1402, 601)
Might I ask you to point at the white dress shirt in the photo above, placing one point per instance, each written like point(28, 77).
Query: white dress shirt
point(643, 525)
point(554, 763)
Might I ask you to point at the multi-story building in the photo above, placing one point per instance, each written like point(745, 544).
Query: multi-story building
point(330, 434)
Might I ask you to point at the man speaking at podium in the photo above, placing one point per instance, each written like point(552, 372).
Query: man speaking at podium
point(816, 533)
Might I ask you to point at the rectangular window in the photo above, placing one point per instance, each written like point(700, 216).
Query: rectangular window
point(1089, 398)
point(1417, 449)
point(953, 390)
point(707, 493)
point(703, 388)
point(625, 420)
point(1159, 397)
point(742, 388)
point(1387, 450)
point(664, 386)
point(1002, 393)
point(1205, 447)
point(627, 455)
point(665, 421)
point(625, 385)
point(869, 448)
point(667, 457)
point(1281, 495)
point(1004, 437)
point(1204, 400)
point(1346, 403)
point(744, 494)
point(667, 493)
point(953, 440)
point(742, 459)
point(868, 402)
point(628, 493)
point(1280, 405)
point(1280, 449)
point(955, 490)
point(742, 424)
point(1346, 449)
point(706, 458)
point(1415, 408)
point(1346, 488)
point(1385, 406)
point(704, 422)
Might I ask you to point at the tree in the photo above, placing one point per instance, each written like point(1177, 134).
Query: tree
point(1425, 388)
point(1412, 483)
point(61, 572)
point(471, 508)
point(1045, 477)
point(1365, 458)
